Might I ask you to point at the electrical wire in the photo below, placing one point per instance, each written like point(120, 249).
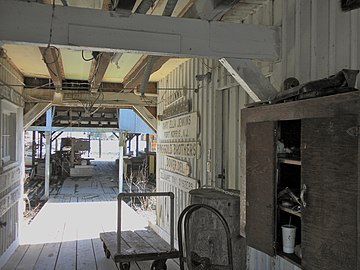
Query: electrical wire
point(86, 59)
point(49, 47)
point(51, 22)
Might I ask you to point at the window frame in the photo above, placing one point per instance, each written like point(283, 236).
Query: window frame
point(11, 160)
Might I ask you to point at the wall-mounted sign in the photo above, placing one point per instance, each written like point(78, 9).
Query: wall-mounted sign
point(174, 96)
point(179, 181)
point(178, 128)
point(180, 149)
point(176, 109)
point(177, 166)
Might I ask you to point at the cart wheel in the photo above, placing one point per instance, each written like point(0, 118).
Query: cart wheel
point(125, 266)
point(159, 265)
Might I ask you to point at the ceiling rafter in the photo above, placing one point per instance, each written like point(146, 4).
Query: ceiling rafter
point(136, 74)
point(214, 9)
point(53, 61)
point(98, 68)
point(76, 98)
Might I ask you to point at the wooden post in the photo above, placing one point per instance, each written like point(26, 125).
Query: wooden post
point(121, 161)
point(137, 144)
point(99, 147)
point(72, 154)
point(40, 145)
point(129, 146)
point(47, 163)
point(89, 144)
point(147, 143)
point(33, 149)
point(48, 152)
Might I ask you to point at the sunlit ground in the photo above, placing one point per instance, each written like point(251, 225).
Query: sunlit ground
point(57, 222)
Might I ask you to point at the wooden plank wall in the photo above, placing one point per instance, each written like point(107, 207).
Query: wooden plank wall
point(11, 178)
point(218, 105)
point(318, 40)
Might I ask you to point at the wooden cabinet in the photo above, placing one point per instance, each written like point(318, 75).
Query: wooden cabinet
point(323, 167)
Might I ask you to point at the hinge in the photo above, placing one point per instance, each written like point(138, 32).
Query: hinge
point(353, 131)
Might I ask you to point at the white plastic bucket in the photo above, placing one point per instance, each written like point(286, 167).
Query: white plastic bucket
point(288, 237)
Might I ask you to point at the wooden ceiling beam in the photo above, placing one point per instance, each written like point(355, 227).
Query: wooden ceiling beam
point(135, 76)
point(83, 28)
point(106, 99)
point(53, 61)
point(98, 68)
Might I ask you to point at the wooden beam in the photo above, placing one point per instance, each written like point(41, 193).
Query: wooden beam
point(107, 99)
point(98, 68)
point(34, 113)
point(250, 78)
point(136, 74)
point(100, 30)
point(52, 59)
point(147, 116)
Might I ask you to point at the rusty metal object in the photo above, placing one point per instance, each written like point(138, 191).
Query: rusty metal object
point(196, 262)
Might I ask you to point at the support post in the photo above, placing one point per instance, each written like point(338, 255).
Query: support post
point(129, 146)
point(33, 149)
point(47, 164)
point(147, 143)
point(137, 145)
point(99, 147)
point(48, 152)
point(40, 145)
point(121, 160)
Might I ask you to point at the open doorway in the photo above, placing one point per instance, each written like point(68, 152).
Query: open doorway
point(84, 181)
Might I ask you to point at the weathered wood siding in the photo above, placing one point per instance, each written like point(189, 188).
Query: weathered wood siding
point(217, 102)
point(11, 178)
point(318, 39)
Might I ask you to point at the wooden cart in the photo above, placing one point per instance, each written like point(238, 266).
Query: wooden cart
point(142, 245)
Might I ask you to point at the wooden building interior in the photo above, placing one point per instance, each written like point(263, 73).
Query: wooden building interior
point(249, 107)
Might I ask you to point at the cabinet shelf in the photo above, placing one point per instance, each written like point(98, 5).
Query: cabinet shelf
point(292, 258)
point(290, 161)
point(290, 211)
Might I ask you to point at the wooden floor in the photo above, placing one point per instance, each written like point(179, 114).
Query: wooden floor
point(65, 233)
point(80, 255)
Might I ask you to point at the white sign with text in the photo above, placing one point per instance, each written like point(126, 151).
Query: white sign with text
point(179, 128)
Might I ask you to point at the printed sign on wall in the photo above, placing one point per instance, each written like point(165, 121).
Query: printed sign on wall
point(179, 181)
point(178, 128)
point(179, 149)
point(177, 166)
